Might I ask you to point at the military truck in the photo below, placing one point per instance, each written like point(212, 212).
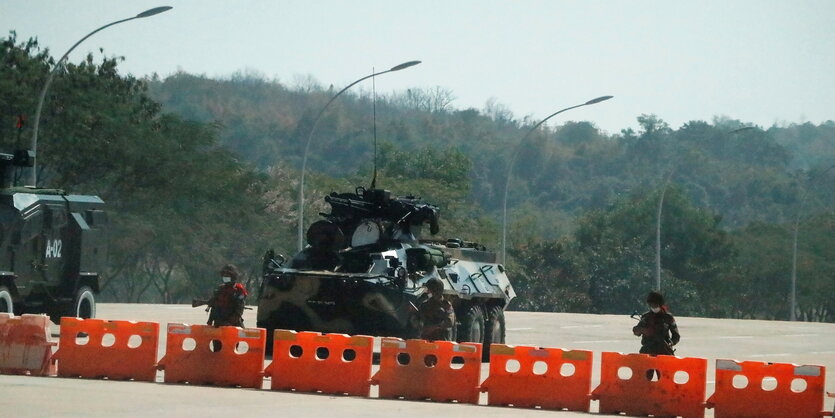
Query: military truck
point(364, 268)
point(52, 246)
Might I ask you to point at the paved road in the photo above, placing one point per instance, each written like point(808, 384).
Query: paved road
point(774, 341)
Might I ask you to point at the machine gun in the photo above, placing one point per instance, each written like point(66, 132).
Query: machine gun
point(347, 209)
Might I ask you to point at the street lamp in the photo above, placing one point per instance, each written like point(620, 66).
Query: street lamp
point(658, 231)
point(792, 314)
point(310, 136)
point(34, 144)
point(661, 208)
point(513, 160)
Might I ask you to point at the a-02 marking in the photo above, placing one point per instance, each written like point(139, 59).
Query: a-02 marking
point(53, 248)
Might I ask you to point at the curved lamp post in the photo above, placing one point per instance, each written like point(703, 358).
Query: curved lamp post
point(661, 208)
point(792, 314)
point(513, 160)
point(310, 136)
point(34, 144)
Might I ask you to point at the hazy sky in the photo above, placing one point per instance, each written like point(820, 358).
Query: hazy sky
point(759, 61)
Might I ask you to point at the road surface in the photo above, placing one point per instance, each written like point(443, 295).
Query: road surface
point(772, 341)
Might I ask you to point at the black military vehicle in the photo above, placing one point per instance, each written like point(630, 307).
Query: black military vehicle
point(52, 247)
point(364, 269)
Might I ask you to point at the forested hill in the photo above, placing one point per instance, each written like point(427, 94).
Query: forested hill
point(199, 172)
point(743, 175)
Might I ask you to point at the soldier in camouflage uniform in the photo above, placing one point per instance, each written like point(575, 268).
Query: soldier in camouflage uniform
point(436, 314)
point(228, 301)
point(657, 329)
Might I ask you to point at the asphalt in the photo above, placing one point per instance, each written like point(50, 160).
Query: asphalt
point(768, 341)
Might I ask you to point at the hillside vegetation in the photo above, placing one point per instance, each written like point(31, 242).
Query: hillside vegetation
point(199, 171)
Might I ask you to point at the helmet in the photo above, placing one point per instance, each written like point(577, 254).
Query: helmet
point(435, 285)
point(655, 298)
point(231, 271)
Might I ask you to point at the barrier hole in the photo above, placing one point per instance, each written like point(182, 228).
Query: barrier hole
point(107, 340)
point(189, 344)
point(241, 347)
point(322, 353)
point(567, 369)
point(134, 341)
point(769, 383)
point(512, 366)
point(215, 346)
point(681, 377)
point(82, 338)
point(430, 360)
point(739, 382)
point(457, 363)
point(624, 373)
point(296, 351)
point(540, 367)
point(403, 359)
point(798, 385)
point(349, 355)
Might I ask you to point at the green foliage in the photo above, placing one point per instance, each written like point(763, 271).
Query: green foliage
point(180, 205)
point(216, 180)
point(614, 250)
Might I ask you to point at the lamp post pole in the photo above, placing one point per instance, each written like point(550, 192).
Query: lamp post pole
point(310, 136)
point(513, 160)
point(34, 143)
point(658, 231)
point(661, 208)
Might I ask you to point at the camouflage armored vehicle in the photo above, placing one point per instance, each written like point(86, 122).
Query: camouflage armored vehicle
point(364, 268)
point(52, 247)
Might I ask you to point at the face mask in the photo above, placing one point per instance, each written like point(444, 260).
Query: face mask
point(655, 310)
point(226, 279)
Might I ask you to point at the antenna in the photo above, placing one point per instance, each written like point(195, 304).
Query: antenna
point(374, 107)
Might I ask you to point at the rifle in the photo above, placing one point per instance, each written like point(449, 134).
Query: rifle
point(200, 302)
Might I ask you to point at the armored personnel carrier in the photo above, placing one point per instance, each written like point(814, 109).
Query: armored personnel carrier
point(52, 247)
point(364, 268)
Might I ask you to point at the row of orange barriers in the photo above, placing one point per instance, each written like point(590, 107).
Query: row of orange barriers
point(443, 371)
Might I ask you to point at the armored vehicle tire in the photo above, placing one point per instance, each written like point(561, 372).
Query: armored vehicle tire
point(494, 332)
point(471, 325)
point(6, 304)
point(83, 306)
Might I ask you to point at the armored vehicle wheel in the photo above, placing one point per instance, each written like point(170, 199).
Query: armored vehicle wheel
point(471, 328)
point(83, 306)
point(495, 330)
point(6, 304)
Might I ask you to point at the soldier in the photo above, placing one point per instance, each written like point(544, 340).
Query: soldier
point(657, 329)
point(436, 314)
point(227, 303)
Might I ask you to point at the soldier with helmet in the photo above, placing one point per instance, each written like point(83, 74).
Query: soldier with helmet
point(436, 314)
point(228, 301)
point(658, 331)
point(657, 328)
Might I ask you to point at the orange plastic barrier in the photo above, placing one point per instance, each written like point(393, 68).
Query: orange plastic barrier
point(330, 363)
point(757, 389)
point(439, 370)
point(205, 355)
point(25, 347)
point(549, 378)
point(96, 348)
point(629, 384)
